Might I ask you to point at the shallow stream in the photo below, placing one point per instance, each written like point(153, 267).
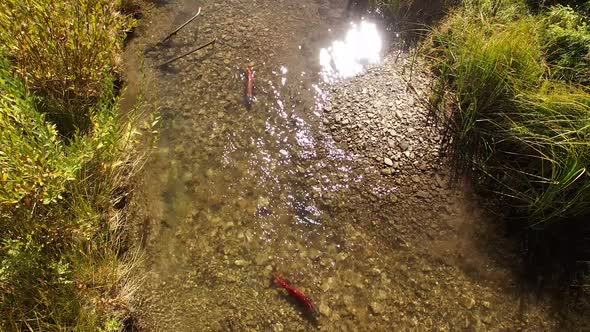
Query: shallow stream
point(232, 196)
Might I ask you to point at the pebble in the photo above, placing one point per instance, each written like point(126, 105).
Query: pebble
point(388, 161)
point(328, 284)
point(422, 194)
point(241, 262)
point(376, 308)
point(403, 145)
point(325, 310)
point(467, 301)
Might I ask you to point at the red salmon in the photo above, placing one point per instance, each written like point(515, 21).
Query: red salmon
point(297, 294)
point(249, 86)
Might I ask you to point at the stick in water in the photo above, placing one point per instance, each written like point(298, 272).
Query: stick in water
point(189, 52)
point(182, 26)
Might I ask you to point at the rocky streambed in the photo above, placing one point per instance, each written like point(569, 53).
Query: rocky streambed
point(338, 187)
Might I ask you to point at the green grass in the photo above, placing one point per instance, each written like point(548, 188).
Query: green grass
point(62, 267)
point(521, 103)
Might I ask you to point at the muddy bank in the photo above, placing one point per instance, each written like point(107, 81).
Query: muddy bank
point(336, 186)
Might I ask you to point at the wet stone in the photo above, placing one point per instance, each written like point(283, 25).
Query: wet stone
point(422, 194)
point(325, 310)
point(403, 145)
point(376, 308)
point(241, 262)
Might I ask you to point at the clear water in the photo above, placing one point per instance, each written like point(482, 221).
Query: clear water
point(232, 196)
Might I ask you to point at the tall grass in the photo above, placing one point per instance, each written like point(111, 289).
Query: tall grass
point(62, 267)
point(521, 108)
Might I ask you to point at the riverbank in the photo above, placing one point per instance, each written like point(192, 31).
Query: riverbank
point(67, 158)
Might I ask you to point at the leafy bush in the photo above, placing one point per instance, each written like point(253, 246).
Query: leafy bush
point(567, 43)
point(59, 259)
point(64, 51)
point(61, 266)
point(35, 170)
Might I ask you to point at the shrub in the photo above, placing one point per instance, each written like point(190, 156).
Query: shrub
point(64, 51)
point(566, 40)
point(59, 253)
point(61, 266)
point(32, 170)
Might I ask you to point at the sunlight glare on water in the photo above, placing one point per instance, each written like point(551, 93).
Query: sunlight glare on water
point(346, 58)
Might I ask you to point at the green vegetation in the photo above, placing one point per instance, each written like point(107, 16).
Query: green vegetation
point(65, 159)
point(413, 16)
point(520, 102)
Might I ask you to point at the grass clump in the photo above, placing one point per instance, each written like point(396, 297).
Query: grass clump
point(62, 260)
point(521, 109)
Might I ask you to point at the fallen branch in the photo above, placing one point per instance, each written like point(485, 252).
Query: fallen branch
point(189, 52)
point(182, 26)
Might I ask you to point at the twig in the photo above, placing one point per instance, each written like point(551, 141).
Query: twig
point(189, 52)
point(182, 26)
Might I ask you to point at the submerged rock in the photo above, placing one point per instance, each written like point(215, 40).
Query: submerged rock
point(241, 262)
point(325, 310)
point(376, 308)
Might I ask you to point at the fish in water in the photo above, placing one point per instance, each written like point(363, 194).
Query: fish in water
point(249, 86)
point(298, 295)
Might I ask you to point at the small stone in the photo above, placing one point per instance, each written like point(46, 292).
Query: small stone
point(403, 145)
point(388, 161)
point(376, 308)
point(422, 194)
point(416, 178)
point(467, 301)
point(423, 166)
point(387, 171)
point(439, 181)
point(325, 310)
point(328, 284)
point(393, 199)
point(261, 259)
point(241, 262)
point(487, 319)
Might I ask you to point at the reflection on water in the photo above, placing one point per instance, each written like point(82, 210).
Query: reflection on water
point(348, 57)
